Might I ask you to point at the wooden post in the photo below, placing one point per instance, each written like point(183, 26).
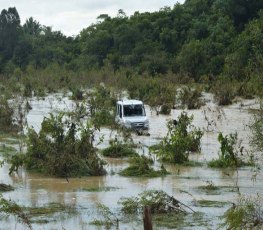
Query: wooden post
point(147, 218)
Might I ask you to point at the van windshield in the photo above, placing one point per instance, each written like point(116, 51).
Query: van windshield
point(133, 110)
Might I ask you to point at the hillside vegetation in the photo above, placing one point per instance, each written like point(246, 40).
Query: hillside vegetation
point(200, 40)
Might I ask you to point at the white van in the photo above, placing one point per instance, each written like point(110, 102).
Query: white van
point(131, 114)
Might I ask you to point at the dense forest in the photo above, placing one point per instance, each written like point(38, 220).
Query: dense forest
point(200, 39)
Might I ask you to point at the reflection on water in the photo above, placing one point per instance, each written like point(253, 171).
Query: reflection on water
point(183, 182)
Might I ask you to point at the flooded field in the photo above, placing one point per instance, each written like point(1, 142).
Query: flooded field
point(184, 183)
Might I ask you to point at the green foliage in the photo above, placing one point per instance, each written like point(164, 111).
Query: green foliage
point(247, 214)
point(140, 167)
point(229, 152)
point(62, 148)
point(180, 139)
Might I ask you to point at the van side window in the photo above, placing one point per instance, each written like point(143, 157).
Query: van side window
point(120, 111)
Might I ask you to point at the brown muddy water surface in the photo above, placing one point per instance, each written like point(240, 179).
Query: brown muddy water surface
point(184, 183)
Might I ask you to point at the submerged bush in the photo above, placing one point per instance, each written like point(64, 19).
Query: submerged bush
point(140, 166)
point(257, 130)
point(224, 91)
point(180, 139)
point(247, 214)
point(118, 149)
point(101, 106)
point(229, 152)
point(6, 114)
point(62, 148)
point(158, 201)
point(189, 98)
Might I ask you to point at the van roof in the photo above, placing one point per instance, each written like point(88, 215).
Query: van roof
point(130, 102)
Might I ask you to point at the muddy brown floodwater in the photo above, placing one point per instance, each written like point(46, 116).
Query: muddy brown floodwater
point(183, 183)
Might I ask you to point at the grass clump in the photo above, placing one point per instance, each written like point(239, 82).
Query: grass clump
point(140, 167)
point(181, 139)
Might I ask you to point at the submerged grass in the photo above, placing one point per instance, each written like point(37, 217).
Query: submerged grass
point(179, 221)
point(47, 213)
point(211, 203)
point(100, 189)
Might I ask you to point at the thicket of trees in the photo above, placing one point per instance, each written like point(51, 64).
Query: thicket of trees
point(198, 39)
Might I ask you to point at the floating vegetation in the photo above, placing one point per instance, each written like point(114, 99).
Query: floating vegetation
point(157, 200)
point(140, 167)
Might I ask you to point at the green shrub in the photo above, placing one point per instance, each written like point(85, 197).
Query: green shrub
point(180, 139)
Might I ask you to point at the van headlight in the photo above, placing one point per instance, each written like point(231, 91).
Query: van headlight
point(146, 124)
point(127, 124)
